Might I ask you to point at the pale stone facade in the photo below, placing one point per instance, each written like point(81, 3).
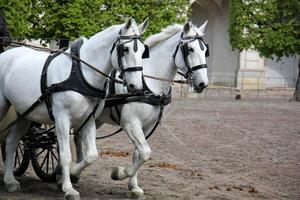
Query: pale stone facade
point(246, 69)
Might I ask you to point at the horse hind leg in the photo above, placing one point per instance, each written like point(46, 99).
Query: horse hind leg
point(12, 142)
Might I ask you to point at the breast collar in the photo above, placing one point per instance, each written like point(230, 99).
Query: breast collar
point(143, 96)
point(76, 81)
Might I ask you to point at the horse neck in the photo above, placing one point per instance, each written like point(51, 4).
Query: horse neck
point(96, 51)
point(161, 64)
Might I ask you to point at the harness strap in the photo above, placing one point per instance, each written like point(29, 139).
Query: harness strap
point(112, 90)
point(133, 69)
point(90, 115)
point(44, 89)
point(114, 133)
point(21, 116)
point(113, 100)
point(199, 67)
point(157, 123)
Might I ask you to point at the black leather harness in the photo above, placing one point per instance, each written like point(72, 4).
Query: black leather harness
point(120, 47)
point(76, 81)
point(185, 52)
point(113, 100)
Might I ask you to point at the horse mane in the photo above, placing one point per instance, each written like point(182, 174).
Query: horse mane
point(165, 34)
point(107, 31)
point(168, 32)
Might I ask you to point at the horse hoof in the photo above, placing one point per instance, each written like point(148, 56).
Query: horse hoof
point(13, 187)
point(137, 194)
point(118, 173)
point(59, 186)
point(72, 197)
point(74, 179)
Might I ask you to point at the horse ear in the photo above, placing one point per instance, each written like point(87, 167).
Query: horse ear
point(128, 23)
point(202, 27)
point(187, 27)
point(143, 26)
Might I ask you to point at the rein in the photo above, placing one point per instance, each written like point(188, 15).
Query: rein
point(72, 56)
point(167, 80)
point(18, 44)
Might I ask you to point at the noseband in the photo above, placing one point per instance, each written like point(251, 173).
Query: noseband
point(185, 52)
point(121, 52)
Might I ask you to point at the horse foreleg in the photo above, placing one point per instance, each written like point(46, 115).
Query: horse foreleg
point(62, 124)
point(79, 148)
point(12, 142)
point(133, 185)
point(141, 155)
point(88, 137)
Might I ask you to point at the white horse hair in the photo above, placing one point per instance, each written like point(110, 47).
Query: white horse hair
point(138, 119)
point(20, 74)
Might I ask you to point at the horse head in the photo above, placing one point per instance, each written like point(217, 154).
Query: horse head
point(128, 52)
point(191, 58)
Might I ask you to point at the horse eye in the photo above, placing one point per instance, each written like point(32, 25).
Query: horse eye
point(126, 49)
point(191, 49)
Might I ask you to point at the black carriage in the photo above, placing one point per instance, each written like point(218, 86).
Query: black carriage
point(38, 145)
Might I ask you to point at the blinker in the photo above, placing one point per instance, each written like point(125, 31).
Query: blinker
point(146, 52)
point(201, 45)
point(207, 50)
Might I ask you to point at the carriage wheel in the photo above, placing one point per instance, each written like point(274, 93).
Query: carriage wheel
point(22, 158)
point(45, 157)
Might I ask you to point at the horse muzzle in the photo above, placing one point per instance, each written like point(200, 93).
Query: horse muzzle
point(200, 87)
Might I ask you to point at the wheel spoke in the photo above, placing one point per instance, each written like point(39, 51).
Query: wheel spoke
point(44, 160)
point(52, 161)
point(54, 155)
point(40, 153)
point(17, 159)
point(21, 150)
point(47, 166)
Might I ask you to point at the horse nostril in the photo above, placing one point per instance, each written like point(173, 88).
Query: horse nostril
point(201, 85)
point(131, 86)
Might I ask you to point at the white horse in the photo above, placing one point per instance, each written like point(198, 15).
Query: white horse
point(138, 119)
point(20, 75)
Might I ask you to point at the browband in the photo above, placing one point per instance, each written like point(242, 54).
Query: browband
point(199, 67)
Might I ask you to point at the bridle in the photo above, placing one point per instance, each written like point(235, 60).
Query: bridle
point(183, 45)
point(121, 52)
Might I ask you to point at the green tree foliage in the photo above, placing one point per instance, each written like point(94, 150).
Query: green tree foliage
point(161, 12)
point(271, 27)
point(73, 18)
point(17, 16)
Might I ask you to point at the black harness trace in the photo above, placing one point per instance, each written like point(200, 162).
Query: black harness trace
point(113, 101)
point(76, 82)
